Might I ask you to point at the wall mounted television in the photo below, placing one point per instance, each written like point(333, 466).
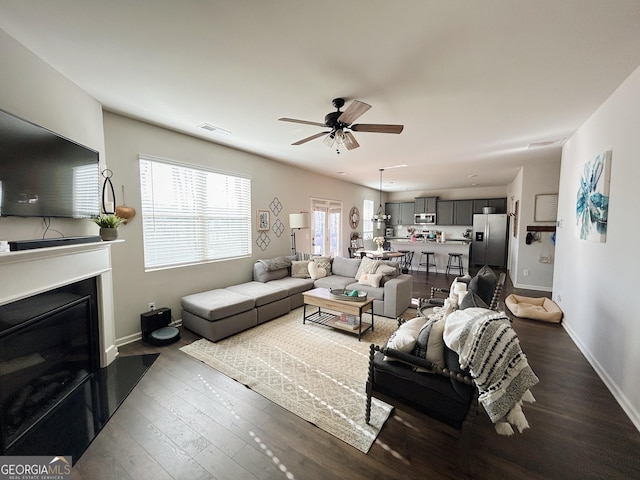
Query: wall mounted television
point(43, 174)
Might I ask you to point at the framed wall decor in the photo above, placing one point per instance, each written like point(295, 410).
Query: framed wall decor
point(592, 203)
point(262, 220)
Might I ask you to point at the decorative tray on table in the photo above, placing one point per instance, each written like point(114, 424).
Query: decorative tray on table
point(347, 295)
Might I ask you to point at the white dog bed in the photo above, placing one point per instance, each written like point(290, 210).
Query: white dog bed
point(543, 309)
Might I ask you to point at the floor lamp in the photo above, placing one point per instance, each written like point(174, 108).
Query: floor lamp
point(297, 220)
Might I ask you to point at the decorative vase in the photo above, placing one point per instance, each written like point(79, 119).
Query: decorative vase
point(380, 249)
point(108, 234)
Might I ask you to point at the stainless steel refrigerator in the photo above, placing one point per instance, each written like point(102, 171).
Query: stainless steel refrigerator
point(489, 241)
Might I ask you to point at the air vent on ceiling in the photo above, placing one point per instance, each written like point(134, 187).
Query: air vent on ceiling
point(547, 143)
point(212, 128)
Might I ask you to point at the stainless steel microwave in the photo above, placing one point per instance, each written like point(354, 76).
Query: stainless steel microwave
point(425, 219)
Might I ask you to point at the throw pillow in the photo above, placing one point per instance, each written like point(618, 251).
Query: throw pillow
point(470, 300)
point(430, 344)
point(388, 272)
point(435, 344)
point(300, 269)
point(367, 265)
point(370, 279)
point(404, 338)
point(316, 272)
point(324, 263)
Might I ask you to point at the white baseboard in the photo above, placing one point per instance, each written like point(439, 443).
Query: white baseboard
point(138, 335)
point(620, 397)
point(533, 287)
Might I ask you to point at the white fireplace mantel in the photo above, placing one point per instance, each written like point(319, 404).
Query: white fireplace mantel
point(30, 272)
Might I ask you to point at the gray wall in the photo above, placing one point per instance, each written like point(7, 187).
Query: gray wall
point(293, 188)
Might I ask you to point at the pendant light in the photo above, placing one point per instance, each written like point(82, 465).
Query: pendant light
point(380, 216)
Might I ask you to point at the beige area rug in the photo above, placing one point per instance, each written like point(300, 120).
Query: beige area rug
point(314, 371)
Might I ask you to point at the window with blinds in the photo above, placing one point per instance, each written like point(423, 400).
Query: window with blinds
point(192, 215)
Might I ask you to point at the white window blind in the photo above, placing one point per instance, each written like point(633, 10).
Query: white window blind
point(367, 224)
point(192, 215)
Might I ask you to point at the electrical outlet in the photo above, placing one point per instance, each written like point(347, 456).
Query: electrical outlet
point(525, 273)
point(151, 305)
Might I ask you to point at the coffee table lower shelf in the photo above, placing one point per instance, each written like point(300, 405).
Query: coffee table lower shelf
point(332, 320)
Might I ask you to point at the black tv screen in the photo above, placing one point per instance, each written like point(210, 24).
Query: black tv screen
point(43, 174)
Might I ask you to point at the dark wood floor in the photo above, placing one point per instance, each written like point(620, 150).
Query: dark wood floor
point(186, 420)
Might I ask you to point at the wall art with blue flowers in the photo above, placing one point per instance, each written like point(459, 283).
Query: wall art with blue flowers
point(592, 203)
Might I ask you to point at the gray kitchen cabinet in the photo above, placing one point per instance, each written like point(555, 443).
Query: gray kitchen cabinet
point(455, 212)
point(463, 212)
point(406, 213)
point(392, 209)
point(444, 212)
point(500, 204)
point(425, 205)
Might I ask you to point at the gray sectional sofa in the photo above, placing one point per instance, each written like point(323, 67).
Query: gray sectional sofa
point(277, 288)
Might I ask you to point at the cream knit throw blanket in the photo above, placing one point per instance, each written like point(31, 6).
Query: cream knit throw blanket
point(489, 348)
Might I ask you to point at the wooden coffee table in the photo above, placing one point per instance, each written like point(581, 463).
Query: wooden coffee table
point(319, 297)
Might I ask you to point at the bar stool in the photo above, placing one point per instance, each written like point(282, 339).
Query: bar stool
point(428, 263)
point(406, 260)
point(455, 262)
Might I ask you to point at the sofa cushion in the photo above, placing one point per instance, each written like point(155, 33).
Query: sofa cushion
point(300, 269)
point(216, 304)
point(370, 279)
point(367, 265)
point(346, 267)
point(335, 282)
point(293, 285)
point(377, 293)
point(262, 293)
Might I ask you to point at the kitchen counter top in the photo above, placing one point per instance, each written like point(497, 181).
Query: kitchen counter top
point(452, 241)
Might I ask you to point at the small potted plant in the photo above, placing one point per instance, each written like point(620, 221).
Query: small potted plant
point(108, 223)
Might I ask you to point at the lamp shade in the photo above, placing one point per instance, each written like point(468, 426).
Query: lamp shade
point(299, 220)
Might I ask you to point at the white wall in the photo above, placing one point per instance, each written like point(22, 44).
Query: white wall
point(534, 179)
point(293, 188)
point(596, 284)
point(31, 89)
point(449, 194)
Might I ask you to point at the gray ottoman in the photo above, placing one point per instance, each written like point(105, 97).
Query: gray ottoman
point(270, 301)
point(217, 314)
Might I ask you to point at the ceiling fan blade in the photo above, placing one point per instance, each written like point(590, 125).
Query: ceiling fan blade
point(353, 111)
point(312, 137)
point(376, 128)
point(350, 141)
point(306, 122)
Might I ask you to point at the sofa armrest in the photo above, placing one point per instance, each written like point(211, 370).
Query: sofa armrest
point(417, 362)
point(397, 295)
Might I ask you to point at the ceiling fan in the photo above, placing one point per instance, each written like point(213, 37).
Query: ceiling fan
point(341, 122)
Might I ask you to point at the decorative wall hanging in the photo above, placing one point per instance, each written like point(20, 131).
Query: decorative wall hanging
point(263, 241)
point(108, 205)
point(354, 218)
point(275, 206)
point(262, 220)
point(278, 227)
point(592, 204)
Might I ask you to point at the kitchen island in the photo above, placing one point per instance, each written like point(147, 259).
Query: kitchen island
point(440, 249)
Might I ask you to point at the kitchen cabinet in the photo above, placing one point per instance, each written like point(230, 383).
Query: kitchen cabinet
point(463, 212)
point(455, 212)
point(425, 205)
point(406, 213)
point(500, 204)
point(392, 209)
point(401, 213)
point(444, 212)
